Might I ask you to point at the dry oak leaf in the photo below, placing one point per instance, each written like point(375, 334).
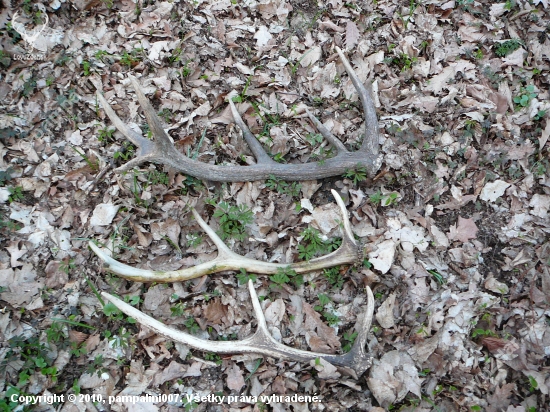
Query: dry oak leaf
point(463, 231)
point(235, 379)
point(352, 35)
point(499, 400)
point(215, 311)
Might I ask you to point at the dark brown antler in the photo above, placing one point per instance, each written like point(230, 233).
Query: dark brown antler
point(162, 151)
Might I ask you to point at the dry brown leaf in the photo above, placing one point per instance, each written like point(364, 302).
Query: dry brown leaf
point(215, 311)
point(499, 400)
point(325, 334)
point(235, 380)
point(465, 230)
point(352, 35)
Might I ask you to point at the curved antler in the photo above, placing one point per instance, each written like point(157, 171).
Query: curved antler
point(162, 150)
point(349, 252)
point(262, 343)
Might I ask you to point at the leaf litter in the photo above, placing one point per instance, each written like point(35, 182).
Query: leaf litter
point(456, 225)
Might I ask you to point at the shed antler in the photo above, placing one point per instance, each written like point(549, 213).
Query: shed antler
point(357, 359)
point(349, 252)
point(162, 150)
point(261, 342)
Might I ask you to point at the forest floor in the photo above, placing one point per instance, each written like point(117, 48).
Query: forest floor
point(455, 222)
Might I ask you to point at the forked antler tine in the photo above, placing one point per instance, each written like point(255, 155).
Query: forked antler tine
point(254, 144)
point(349, 252)
point(371, 139)
point(145, 146)
point(262, 342)
point(333, 140)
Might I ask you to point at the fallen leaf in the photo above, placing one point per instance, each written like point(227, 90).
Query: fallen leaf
point(235, 380)
point(465, 230)
point(384, 314)
point(325, 369)
point(392, 377)
point(493, 190)
point(352, 35)
point(382, 257)
point(103, 215)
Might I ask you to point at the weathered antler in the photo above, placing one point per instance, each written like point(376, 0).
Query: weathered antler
point(162, 150)
point(357, 359)
point(349, 252)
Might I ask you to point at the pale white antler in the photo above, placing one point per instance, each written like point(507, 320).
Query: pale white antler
point(161, 150)
point(349, 252)
point(262, 343)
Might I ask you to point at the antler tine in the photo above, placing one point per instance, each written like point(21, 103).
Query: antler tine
point(371, 140)
point(262, 342)
point(162, 150)
point(253, 143)
point(349, 252)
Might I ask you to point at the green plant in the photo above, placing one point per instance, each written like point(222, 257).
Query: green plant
point(29, 86)
point(67, 265)
point(100, 54)
point(330, 317)
point(334, 277)
point(438, 277)
point(5, 176)
point(540, 115)
point(186, 70)
point(356, 175)
point(86, 68)
point(482, 332)
point(111, 311)
point(507, 47)
point(105, 134)
point(178, 309)
point(96, 367)
point(312, 244)
point(213, 357)
point(376, 197)
point(133, 58)
point(526, 95)
point(402, 61)
point(16, 194)
point(286, 275)
point(283, 187)
point(348, 338)
point(533, 385)
point(191, 324)
point(94, 165)
point(243, 277)
point(233, 220)
point(154, 177)
point(166, 114)
point(193, 239)
point(5, 59)
point(125, 152)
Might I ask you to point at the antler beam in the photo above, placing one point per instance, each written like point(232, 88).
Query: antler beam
point(262, 343)
point(349, 252)
point(162, 150)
